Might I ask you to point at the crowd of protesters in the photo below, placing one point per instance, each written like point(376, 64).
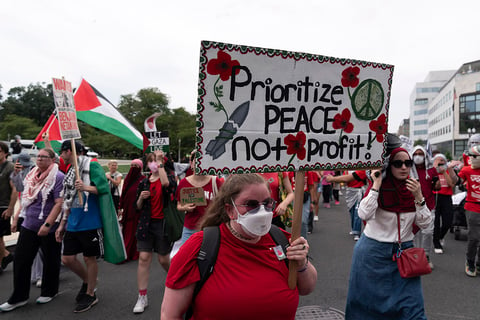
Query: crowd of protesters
point(60, 217)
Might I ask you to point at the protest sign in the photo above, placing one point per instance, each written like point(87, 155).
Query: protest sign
point(66, 113)
point(158, 140)
point(194, 195)
point(272, 110)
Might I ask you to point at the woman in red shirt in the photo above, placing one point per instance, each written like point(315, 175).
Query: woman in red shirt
point(246, 261)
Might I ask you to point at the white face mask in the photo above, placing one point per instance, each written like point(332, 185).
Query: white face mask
point(475, 162)
point(418, 159)
point(257, 223)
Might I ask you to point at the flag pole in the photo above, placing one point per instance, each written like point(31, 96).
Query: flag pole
point(296, 224)
point(77, 172)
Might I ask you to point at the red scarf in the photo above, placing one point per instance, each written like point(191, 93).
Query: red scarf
point(393, 194)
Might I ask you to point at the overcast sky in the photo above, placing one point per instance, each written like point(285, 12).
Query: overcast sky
point(123, 46)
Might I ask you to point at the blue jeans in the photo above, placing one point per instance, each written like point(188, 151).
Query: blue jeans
point(355, 221)
point(305, 216)
point(186, 233)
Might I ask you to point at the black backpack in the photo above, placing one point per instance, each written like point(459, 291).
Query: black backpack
point(207, 256)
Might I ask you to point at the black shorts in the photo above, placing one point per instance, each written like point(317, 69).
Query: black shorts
point(156, 239)
point(88, 242)
point(5, 226)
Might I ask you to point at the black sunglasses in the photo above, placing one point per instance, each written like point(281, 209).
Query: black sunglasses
point(254, 205)
point(399, 163)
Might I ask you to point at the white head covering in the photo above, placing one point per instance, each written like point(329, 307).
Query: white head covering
point(413, 171)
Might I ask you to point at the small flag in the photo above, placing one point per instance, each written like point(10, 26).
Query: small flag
point(53, 134)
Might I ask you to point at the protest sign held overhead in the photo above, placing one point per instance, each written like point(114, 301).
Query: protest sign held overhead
point(272, 110)
point(67, 116)
point(157, 140)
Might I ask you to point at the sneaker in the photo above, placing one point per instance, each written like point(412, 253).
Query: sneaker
point(442, 242)
point(430, 263)
point(6, 260)
point(356, 237)
point(43, 300)
point(470, 271)
point(351, 233)
point(315, 218)
point(86, 302)
point(326, 205)
point(438, 250)
point(38, 284)
point(337, 203)
point(82, 292)
point(141, 304)
point(9, 307)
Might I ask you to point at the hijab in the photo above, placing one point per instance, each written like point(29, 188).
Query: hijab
point(393, 194)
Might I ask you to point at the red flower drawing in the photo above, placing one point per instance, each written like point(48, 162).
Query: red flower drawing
point(349, 77)
point(296, 145)
point(342, 121)
point(379, 126)
point(222, 65)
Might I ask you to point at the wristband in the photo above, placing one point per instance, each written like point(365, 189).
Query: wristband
point(46, 224)
point(305, 267)
point(420, 203)
point(373, 189)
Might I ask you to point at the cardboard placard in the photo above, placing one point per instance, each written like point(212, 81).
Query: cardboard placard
point(65, 106)
point(194, 195)
point(159, 140)
point(272, 110)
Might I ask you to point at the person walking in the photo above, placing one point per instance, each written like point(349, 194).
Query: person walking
point(114, 178)
point(151, 235)
point(355, 181)
point(42, 201)
point(376, 290)
point(428, 178)
point(443, 206)
point(243, 211)
point(81, 225)
point(128, 212)
point(8, 198)
point(469, 175)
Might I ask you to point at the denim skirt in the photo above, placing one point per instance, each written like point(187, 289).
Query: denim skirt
point(376, 289)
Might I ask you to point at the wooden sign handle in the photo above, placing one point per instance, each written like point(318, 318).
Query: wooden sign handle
point(77, 172)
point(296, 224)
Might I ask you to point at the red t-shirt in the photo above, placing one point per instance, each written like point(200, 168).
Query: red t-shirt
point(360, 179)
point(248, 281)
point(310, 178)
point(445, 189)
point(472, 177)
point(156, 199)
point(192, 218)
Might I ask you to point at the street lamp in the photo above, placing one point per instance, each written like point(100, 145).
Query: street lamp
point(471, 131)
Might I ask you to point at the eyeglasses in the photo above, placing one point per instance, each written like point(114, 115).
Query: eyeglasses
point(254, 205)
point(43, 157)
point(399, 163)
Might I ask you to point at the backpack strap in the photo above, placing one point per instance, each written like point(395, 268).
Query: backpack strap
point(207, 256)
point(279, 237)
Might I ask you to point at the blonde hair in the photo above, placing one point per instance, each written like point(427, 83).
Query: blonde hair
point(216, 213)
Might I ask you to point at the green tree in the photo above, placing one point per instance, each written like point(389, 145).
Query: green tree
point(14, 124)
point(34, 102)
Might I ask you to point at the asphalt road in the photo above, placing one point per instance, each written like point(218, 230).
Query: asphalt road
point(449, 293)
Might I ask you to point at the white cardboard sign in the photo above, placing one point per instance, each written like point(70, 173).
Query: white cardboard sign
point(66, 113)
point(272, 110)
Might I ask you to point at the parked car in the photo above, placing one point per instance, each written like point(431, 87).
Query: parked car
point(91, 153)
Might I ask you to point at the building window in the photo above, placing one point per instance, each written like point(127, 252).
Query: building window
point(477, 86)
point(469, 112)
point(420, 132)
point(419, 112)
point(420, 122)
point(419, 102)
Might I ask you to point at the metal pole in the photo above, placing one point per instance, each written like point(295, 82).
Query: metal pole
point(179, 143)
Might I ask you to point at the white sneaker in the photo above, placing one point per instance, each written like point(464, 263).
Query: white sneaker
point(9, 307)
point(43, 300)
point(315, 218)
point(141, 304)
point(356, 237)
point(438, 251)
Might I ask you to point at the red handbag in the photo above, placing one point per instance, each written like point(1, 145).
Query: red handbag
point(411, 262)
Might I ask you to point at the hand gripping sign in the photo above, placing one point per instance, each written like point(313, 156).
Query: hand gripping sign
point(262, 110)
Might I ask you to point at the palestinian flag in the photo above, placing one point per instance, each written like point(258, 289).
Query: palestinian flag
point(53, 134)
point(93, 108)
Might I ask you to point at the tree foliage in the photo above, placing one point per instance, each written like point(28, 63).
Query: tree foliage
point(25, 111)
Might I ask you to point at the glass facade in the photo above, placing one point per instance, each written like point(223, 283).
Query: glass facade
point(469, 112)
